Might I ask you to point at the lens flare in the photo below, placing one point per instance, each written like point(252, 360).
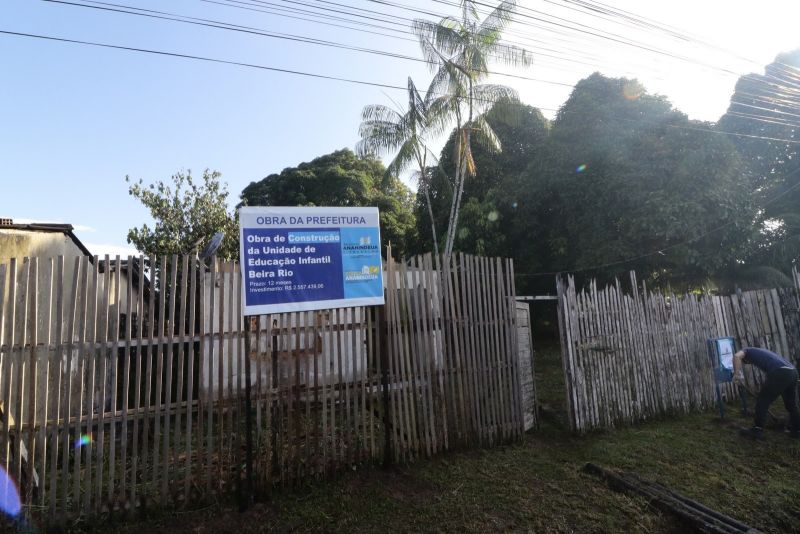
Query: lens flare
point(632, 90)
point(493, 216)
point(9, 496)
point(514, 205)
point(85, 439)
point(581, 168)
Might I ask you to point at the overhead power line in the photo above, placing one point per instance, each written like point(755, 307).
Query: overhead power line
point(162, 15)
point(323, 76)
point(202, 58)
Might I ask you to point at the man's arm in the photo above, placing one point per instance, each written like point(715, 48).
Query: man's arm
point(738, 371)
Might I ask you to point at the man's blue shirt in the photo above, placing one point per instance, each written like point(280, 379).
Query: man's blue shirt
point(764, 359)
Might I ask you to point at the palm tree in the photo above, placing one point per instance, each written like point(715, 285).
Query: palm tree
point(459, 53)
point(384, 129)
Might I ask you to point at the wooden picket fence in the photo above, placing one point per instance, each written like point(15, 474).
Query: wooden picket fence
point(117, 396)
point(632, 356)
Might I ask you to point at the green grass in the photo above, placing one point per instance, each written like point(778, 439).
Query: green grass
point(537, 485)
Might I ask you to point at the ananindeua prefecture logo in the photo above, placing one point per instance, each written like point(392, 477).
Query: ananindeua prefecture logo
point(367, 272)
point(364, 246)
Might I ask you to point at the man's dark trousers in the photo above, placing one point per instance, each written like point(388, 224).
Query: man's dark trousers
point(783, 382)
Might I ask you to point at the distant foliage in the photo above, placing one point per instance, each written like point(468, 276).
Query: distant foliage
point(619, 180)
point(765, 111)
point(186, 214)
point(342, 179)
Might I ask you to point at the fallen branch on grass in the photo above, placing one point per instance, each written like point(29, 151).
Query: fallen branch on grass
point(701, 517)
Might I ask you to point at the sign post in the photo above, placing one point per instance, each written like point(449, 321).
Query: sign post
point(301, 259)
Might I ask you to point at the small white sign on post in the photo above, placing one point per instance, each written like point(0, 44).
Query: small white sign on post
point(300, 259)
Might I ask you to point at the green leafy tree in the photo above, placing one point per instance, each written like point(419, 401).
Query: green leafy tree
point(384, 129)
point(460, 52)
point(765, 113)
point(494, 215)
point(186, 214)
point(633, 183)
point(342, 179)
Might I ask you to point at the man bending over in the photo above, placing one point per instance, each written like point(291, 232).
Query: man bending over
point(780, 379)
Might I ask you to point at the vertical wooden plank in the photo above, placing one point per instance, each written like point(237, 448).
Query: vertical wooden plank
point(507, 357)
point(476, 321)
point(98, 393)
point(415, 296)
point(220, 367)
point(152, 349)
point(312, 397)
point(140, 419)
point(190, 329)
point(465, 401)
point(569, 354)
point(258, 355)
point(395, 385)
point(406, 364)
point(9, 365)
point(279, 419)
point(21, 337)
point(341, 399)
point(56, 371)
point(207, 371)
point(506, 332)
point(71, 353)
point(409, 350)
point(243, 373)
point(437, 300)
point(160, 353)
point(88, 322)
point(363, 341)
point(477, 378)
point(432, 336)
point(451, 351)
point(422, 283)
point(354, 380)
point(127, 335)
point(231, 452)
point(113, 358)
point(45, 352)
point(511, 296)
point(488, 322)
point(30, 375)
point(328, 427)
point(168, 358)
point(371, 393)
point(183, 332)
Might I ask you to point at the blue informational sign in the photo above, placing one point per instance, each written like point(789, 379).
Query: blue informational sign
point(298, 259)
point(721, 351)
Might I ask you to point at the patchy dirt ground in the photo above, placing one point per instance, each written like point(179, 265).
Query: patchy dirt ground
point(535, 485)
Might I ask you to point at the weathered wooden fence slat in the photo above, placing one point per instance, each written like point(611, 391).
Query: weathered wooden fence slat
point(630, 357)
point(122, 380)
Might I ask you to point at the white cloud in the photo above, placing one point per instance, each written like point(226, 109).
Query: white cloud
point(101, 249)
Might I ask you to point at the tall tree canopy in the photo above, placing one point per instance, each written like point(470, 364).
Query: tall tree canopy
point(634, 178)
point(491, 222)
point(460, 51)
point(765, 113)
point(619, 181)
point(186, 214)
point(342, 179)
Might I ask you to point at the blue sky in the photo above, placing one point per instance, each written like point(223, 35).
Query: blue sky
point(76, 120)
